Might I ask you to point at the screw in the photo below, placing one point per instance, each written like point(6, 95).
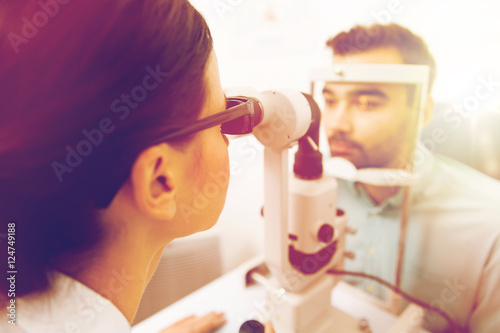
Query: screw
point(364, 325)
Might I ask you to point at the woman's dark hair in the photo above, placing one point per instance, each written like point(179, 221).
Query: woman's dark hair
point(85, 86)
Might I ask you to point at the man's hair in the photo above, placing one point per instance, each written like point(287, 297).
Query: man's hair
point(359, 39)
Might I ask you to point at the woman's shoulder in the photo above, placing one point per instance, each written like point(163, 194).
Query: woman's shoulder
point(68, 306)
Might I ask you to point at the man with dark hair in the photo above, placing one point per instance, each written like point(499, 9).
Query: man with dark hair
point(452, 255)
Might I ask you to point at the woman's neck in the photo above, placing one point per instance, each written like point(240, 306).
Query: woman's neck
point(121, 271)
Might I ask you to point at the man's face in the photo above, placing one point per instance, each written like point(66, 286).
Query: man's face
point(368, 123)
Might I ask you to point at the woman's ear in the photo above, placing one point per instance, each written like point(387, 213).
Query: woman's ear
point(153, 182)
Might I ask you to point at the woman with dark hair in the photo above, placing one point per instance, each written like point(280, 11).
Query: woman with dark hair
point(96, 174)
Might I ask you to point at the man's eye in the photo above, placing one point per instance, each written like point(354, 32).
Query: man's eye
point(330, 102)
point(365, 103)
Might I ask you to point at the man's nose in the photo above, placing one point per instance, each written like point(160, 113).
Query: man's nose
point(339, 120)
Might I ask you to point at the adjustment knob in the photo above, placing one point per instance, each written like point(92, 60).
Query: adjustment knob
point(325, 233)
point(349, 255)
point(252, 326)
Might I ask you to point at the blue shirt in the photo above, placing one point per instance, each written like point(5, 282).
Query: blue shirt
point(452, 255)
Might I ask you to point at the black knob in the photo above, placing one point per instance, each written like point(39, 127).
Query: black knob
point(325, 233)
point(252, 326)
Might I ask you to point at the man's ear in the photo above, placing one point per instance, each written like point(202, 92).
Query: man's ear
point(428, 110)
point(153, 182)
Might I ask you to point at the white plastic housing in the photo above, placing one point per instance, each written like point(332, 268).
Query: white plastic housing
point(286, 118)
point(312, 204)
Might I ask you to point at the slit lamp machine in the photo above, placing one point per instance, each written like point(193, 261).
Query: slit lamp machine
point(305, 231)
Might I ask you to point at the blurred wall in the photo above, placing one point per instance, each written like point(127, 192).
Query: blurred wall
point(267, 44)
point(274, 43)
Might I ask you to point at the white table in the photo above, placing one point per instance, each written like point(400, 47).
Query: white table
point(228, 294)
